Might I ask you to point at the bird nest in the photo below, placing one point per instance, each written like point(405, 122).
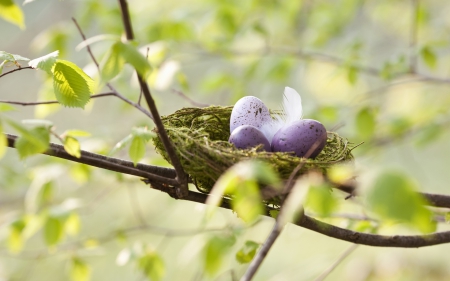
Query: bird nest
point(200, 137)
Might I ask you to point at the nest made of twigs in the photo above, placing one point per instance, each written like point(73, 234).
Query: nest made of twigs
point(200, 137)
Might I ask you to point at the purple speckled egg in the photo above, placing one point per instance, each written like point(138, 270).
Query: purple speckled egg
point(247, 136)
point(249, 110)
point(299, 137)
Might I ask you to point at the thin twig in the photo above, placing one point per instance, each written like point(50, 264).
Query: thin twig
point(109, 85)
point(334, 265)
point(276, 230)
point(182, 178)
point(87, 46)
point(51, 102)
point(193, 102)
point(14, 70)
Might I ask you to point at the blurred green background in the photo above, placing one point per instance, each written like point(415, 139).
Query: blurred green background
point(374, 71)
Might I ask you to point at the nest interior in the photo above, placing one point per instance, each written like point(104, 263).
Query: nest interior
point(200, 137)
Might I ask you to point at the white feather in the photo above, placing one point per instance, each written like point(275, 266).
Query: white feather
point(291, 112)
point(292, 105)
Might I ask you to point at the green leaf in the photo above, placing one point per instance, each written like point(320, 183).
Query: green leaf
point(152, 265)
point(9, 11)
point(242, 181)
point(72, 86)
point(393, 197)
point(365, 226)
point(72, 146)
point(1, 66)
point(214, 252)
point(73, 224)
point(428, 56)
point(135, 58)
point(15, 238)
point(32, 141)
point(365, 122)
point(46, 193)
point(321, 200)
point(247, 201)
point(121, 144)
point(6, 56)
point(79, 270)
point(45, 63)
point(137, 149)
point(113, 63)
point(53, 231)
point(247, 252)
point(76, 133)
point(6, 107)
point(143, 132)
point(80, 173)
point(447, 217)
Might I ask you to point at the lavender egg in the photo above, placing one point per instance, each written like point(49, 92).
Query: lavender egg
point(247, 136)
point(299, 137)
point(249, 110)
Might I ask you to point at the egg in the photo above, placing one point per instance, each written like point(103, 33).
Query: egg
point(299, 137)
point(249, 110)
point(247, 136)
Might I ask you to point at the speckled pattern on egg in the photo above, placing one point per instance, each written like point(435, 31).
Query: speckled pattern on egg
point(249, 110)
point(299, 137)
point(247, 136)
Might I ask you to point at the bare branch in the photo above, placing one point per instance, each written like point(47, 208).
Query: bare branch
point(153, 173)
point(193, 102)
point(182, 178)
point(87, 47)
point(334, 265)
point(14, 70)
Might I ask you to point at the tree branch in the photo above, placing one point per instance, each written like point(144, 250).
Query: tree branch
point(14, 70)
point(159, 177)
point(153, 173)
point(51, 102)
point(334, 265)
point(182, 178)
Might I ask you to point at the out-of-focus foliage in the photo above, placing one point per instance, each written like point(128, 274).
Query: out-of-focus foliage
point(375, 71)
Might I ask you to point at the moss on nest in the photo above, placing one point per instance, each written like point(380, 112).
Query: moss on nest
point(200, 137)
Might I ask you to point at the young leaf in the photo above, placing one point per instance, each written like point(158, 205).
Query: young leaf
point(53, 231)
point(32, 141)
point(12, 13)
point(135, 58)
point(76, 133)
point(72, 146)
point(247, 252)
point(428, 56)
point(121, 144)
point(137, 149)
point(72, 86)
point(152, 265)
point(214, 251)
point(365, 122)
point(9, 11)
point(79, 270)
point(143, 132)
point(113, 63)
point(45, 63)
point(1, 66)
point(393, 196)
point(73, 224)
point(247, 201)
point(321, 200)
point(7, 57)
point(15, 238)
